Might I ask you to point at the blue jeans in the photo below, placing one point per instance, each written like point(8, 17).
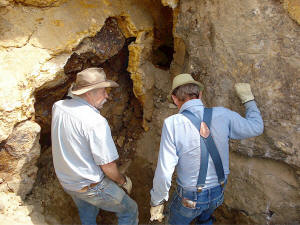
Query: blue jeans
point(185, 206)
point(107, 196)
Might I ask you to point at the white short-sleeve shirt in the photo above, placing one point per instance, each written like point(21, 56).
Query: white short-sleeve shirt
point(81, 141)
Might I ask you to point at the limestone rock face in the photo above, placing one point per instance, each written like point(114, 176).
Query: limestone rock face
point(41, 3)
point(293, 7)
point(255, 42)
point(41, 39)
point(19, 156)
point(14, 211)
point(264, 190)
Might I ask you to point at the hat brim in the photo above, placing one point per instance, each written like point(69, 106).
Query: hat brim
point(201, 87)
point(104, 84)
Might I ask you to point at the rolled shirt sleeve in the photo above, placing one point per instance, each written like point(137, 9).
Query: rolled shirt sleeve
point(102, 145)
point(250, 126)
point(167, 160)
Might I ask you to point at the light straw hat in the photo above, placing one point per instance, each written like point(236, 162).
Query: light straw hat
point(89, 79)
point(182, 79)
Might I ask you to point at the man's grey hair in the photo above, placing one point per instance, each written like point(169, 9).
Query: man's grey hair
point(186, 91)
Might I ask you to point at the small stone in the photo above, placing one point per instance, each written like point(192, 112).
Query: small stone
point(172, 106)
point(2, 205)
point(120, 141)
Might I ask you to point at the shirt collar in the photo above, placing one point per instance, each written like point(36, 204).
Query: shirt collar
point(191, 103)
point(77, 98)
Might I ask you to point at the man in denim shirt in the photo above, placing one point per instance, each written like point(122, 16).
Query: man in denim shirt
point(84, 153)
point(180, 148)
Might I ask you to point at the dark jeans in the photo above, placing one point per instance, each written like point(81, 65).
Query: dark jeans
point(185, 206)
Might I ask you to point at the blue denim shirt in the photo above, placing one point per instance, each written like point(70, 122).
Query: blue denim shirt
point(180, 145)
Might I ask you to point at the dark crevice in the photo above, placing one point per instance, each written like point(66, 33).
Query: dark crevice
point(163, 45)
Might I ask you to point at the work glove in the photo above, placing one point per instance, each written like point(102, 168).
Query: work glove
point(127, 186)
point(156, 212)
point(243, 90)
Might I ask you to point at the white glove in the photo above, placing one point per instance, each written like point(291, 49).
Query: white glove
point(127, 185)
point(243, 90)
point(156, 213)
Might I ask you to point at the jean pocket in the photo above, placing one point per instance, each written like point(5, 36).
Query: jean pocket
point(188, 203)
point(180, 208)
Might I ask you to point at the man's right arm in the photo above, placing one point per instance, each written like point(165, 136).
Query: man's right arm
point(105, 153)
point(167, 160)
point(250, 126)
point(112, 172)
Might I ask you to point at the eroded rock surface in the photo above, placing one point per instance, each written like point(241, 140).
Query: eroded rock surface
point(18, 156)
point(255, 42)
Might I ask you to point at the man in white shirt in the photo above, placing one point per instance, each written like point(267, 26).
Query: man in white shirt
point(84, 153)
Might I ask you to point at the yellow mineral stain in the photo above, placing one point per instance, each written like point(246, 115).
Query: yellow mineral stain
point(145, 125)
point(138, 86)
point(58, 23)
point(107, 2)
point(39, 19)
point(86, 4)
point(42, 3)
point(134, 57)
point(293, 7)
point(170, 3)
point(176, 12)
point(126, 26)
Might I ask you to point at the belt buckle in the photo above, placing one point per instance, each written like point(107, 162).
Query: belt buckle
point(199, 189)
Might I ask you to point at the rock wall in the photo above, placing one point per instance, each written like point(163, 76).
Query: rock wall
point(44, 43)
point(256, 42)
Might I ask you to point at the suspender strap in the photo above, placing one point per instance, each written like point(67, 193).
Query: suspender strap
point(212, 148)
point(207, 146)
point(204, 153)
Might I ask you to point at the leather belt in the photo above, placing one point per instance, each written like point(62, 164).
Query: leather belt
point(84, 189)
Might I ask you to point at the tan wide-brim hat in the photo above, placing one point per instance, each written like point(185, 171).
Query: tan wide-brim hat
point(182, 79)
point(89, 79)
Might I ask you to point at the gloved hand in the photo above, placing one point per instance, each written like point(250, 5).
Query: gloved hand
point(156, 213)
point(243, 90)
point(127, 185)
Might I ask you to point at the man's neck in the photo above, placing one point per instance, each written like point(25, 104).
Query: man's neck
point(86, 98)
